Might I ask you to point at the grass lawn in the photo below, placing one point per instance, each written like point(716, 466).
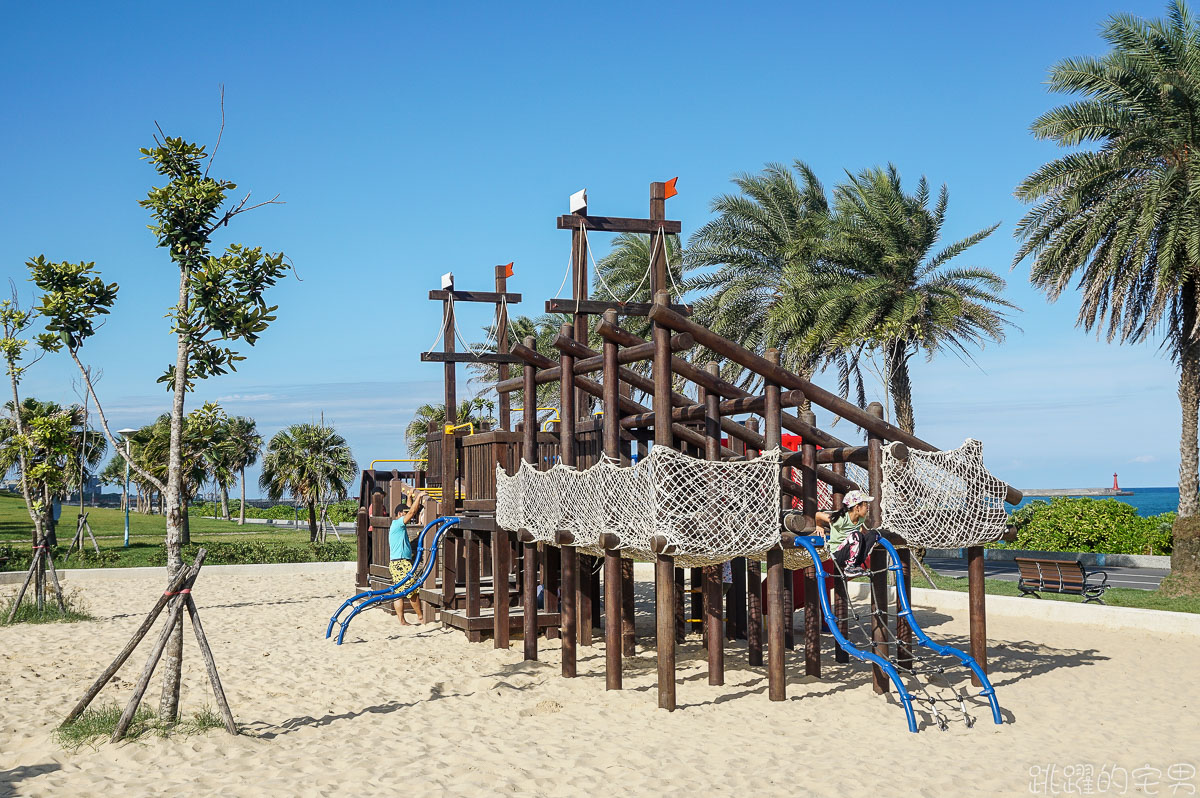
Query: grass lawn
point(146, 532)
point(1115, 597)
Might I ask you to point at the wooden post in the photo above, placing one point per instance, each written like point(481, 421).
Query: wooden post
point(978, 610)
point(840, 599)
point(570, 561)
point(471, 537)
point(778, 617)
point(502, 344)
point(362, 548)
point(879, 604)
point(583, 598)
point(500, 570)
point(903, 630)
point(664, 571)
point(812, 599)
point(713, 621)
point(612, 555)
point(447, 506)
point(754, 617)
point(529, 452)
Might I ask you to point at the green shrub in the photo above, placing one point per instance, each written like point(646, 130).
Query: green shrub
point(19, 557)
point(1084, 524)
point(258, 551)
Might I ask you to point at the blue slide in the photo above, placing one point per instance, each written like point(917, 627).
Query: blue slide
point(419, 573)
point(812, 543)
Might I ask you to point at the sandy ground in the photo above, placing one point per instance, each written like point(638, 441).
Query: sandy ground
point(420, 711)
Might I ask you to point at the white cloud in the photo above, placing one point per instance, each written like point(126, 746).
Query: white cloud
point(1144, 458)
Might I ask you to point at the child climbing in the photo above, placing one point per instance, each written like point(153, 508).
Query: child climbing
point(848, 540)
point(401, 549)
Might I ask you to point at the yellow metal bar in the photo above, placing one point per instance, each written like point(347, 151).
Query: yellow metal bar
point(400, 460)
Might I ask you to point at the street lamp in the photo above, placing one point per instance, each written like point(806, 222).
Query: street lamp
point(125, 433)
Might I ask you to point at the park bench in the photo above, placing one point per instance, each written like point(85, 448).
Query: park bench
point(1060, 576)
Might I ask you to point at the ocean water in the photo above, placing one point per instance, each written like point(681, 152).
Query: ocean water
point(1147, 501)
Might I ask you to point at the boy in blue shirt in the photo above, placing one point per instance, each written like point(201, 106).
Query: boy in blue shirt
point(401, 550)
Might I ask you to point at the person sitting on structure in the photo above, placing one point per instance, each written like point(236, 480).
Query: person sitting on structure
point(848, 540)
point(401, 549)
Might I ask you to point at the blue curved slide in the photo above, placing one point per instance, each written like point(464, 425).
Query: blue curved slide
point(419, 573)
point(812, 543)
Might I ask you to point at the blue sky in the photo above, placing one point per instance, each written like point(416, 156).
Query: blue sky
point(410, 140)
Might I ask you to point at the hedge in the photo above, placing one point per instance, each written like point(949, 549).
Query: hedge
point(257, 551)
point(1097, 525)
point(342, 512)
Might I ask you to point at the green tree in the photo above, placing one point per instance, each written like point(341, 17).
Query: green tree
point(312, 463)
point(1117, 216)
point(543, 329)
point(56, 462)
point(220, 302)
point(433, 417)
point(767, 235)
point(882, 289)
point(247, 444)
point(14, 435)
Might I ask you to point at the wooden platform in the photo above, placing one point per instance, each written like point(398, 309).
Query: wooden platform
point(480, 625)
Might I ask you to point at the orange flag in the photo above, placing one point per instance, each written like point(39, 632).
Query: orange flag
point(508, 268)
point(671, 190)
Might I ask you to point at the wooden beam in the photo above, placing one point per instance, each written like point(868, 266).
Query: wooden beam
point(468, 357)
point(587, 365)
point(818, 395)
point(476, 296)
point(617, 224)
point(597, 306)
point(700, 377)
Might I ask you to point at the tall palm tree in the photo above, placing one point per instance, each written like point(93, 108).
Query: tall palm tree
point(313, 463)
point(543, 329)
point(883, 290)
point(623, 275)
point(1120, 218)
point(774, 226)
point(433, 416)
point(246, 443)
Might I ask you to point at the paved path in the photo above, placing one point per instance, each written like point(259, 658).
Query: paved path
point(1140, 578)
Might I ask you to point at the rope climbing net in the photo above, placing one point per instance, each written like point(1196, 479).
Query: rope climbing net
point(943, 499)
point(707, 511)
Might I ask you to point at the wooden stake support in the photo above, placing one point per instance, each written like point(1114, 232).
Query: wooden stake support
point(178, 595)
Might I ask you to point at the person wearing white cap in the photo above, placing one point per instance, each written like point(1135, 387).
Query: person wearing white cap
point(848, 540)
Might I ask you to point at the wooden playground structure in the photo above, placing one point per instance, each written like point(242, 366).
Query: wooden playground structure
point(486, 580)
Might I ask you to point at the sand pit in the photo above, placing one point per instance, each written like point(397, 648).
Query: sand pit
point(422, 711)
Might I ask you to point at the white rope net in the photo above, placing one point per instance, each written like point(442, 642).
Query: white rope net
point(943, 499)
point(708, 511)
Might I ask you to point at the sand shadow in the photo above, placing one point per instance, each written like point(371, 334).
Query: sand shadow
point(9, 779)
point(269, 731)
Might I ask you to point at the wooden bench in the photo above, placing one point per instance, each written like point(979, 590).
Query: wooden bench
point(1060, 576)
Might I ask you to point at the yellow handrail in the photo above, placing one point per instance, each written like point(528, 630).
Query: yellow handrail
point(450, 428)
point(400, 460)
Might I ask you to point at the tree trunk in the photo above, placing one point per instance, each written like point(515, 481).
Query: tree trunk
point(242, 507)
point(1185, 549)
point(312, 521)
point(225, 502)
point(168, 706)
point(900, 385)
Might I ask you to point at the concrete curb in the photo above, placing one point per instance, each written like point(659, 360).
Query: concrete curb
point(1088, 558)
point(1072, 612)
point(79, 575)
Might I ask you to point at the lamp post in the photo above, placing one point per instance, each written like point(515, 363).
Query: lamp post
point(125, 433)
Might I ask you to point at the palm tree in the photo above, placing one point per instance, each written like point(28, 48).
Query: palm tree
point(623, 275)
point(543, 329)
point(312, 463)
point(773, 229)
point(433, 416)
point(150, 444)
point(1120, 220)
point(882, 290)
point(247, 443)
